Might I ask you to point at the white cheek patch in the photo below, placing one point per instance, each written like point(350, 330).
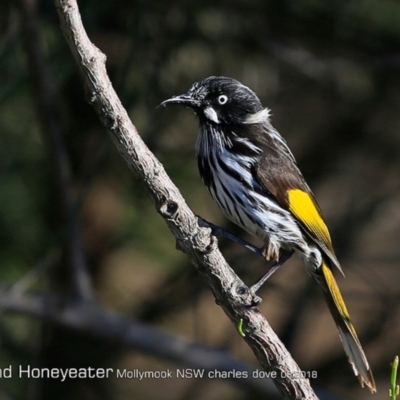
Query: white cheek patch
point(259, 117)
point(211, 114)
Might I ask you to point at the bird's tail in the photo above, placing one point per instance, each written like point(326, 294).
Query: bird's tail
point(347, 333)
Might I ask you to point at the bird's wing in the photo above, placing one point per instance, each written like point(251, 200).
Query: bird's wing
point(281, 178)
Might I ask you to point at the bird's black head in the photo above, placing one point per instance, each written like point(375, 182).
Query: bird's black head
point(220, 100)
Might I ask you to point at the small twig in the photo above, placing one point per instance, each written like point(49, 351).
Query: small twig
point(394, 387)
point(22, 285)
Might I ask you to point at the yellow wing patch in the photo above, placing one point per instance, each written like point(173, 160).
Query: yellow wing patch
point(303, 207)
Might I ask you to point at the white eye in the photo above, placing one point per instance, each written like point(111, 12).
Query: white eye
point(222, 99)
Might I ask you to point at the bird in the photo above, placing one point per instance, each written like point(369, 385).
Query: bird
point(252, 175)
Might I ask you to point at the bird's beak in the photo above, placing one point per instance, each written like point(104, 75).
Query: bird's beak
point(183, 99)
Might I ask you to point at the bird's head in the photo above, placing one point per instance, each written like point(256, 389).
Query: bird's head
point(221, 100)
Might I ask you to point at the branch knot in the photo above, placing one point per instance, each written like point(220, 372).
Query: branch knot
point(169, 208)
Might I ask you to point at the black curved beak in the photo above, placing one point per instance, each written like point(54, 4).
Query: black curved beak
point(183, 99)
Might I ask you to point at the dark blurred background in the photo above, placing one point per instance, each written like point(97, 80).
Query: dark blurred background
point(330, 72)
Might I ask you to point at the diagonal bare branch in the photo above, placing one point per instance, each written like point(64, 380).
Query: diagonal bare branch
point(196, 241)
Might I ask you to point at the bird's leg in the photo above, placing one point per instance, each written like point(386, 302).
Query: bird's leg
point(284, 256)
point(217, 231)
point(262, 252)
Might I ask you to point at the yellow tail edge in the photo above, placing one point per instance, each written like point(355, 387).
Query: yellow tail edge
point(347, 332)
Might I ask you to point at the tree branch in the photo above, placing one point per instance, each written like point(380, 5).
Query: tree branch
point(45, 106)
point(196, 241)
point(92, 319)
